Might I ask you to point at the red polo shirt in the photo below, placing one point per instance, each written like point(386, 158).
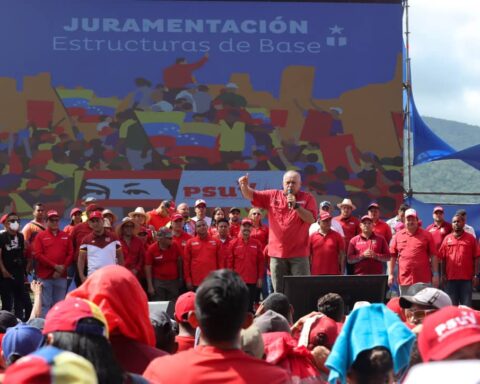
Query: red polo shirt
point(234, 229)
point(51, 250)
point(459, 255)
point(381, 228)
point(350, 226)
point(261, 234)
point(413, 253)
point(367, 265)
point(288, 235)
point(324, 251)
point(164, 262)
point(439, 232)
point(207, 364)
point(201, 257)
point(133, 254)
point(181, 241)
point(156, 220)
point(224, 249)
point(246, 258)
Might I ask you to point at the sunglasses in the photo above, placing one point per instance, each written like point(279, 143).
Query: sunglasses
point(54, 220)
point(419, 314)
point(13, 221)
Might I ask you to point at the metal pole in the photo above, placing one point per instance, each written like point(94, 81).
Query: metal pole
point(408, 88)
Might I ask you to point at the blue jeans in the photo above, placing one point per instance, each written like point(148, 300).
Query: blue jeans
point(53, 291)
point(460, 291)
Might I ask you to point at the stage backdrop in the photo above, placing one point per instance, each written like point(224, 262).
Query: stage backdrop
point(137, 101)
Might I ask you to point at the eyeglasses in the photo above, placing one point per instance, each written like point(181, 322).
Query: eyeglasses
point(419, 314)
point(13, 221)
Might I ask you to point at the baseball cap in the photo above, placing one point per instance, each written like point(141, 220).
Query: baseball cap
point(176, 217)
point(447, 331)
point(4, 218)
point(247, 221)
point(164, 232)
point(433, 297)
point(251, 342)
point(65, 316)
point(318, 325)
point(74, 211)
point(365, 217)
point(325, 216)
point(93, 208)
point(373, 204)
point(199, 202)
point(95, 215)
point(21, 340)
point(52, 213)
point(271, 321)
point(411, 212)
point(51, 365)
point(7, 320)
point(185, 303)
point(438, 208)
point(233, 209)
point(325, 204)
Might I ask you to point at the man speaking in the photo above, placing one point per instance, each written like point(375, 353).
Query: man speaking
point(290, 213)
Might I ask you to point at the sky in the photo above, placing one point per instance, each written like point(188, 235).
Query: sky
point(445, 58)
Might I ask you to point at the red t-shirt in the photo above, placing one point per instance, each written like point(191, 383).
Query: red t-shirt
point(459, 255)
point(413, 254)
point(261, 234)
point(156, 220)
point(224, 249)
point(246, 258)
point(439, 232)
point(164, 262)
point(367, 265)
point(179, 75)
point(206, 364)
point(288, 235)
point(234, 230)
point(381, 228)
point(201, 257)
point(51, 250)
point(185, 342)
point(324, 251)
point(350, 226)
point(133, 254)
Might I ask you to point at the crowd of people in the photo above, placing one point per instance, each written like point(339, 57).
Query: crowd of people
point(96, 281)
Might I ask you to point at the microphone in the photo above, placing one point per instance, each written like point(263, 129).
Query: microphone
point(290, 192)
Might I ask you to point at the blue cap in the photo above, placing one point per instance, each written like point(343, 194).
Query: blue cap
point(21, 340)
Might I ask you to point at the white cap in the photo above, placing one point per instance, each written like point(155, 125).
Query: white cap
point(411, 212)
point(428, 296)
point(200, 201)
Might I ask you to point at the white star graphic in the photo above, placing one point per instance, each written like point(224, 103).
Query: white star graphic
point(336, 30)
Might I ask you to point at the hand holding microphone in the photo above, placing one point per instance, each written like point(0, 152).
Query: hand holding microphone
point(290, 198)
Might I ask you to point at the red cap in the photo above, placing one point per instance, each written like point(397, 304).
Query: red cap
point(447, 331)
point(94, 207)
point(95, 215)
point(52, 213)
point(325, 216)
point(438, 208)
point(66, 315)
point(176, 217)
point(4, 218)
point(324, 326)
point(74, 211)
point(247, 221)
point(185, 303)
point(366, 217)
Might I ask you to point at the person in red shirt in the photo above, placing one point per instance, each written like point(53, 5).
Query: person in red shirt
point(327, 249)
point(76, 218)
point(259, 231)
point(439, 228)
point(235, 220)
point(180, 237)
point(223, 235)
point(217, 214)
point(380, 227)
point(367, 251)
point(349, 223)
point(163, 267)
point(132, 247)
point(415, 251)
point(221, 311)
point(145, 233)
point(179, 75)
point(184, 309)
point(246, 258)
point(460, 253)
point(290, 213)
point(202, 255)
point(54, 254)
point(160, 216)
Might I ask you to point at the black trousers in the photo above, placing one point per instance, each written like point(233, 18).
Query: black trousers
point(14, 294)
point(253, 292)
